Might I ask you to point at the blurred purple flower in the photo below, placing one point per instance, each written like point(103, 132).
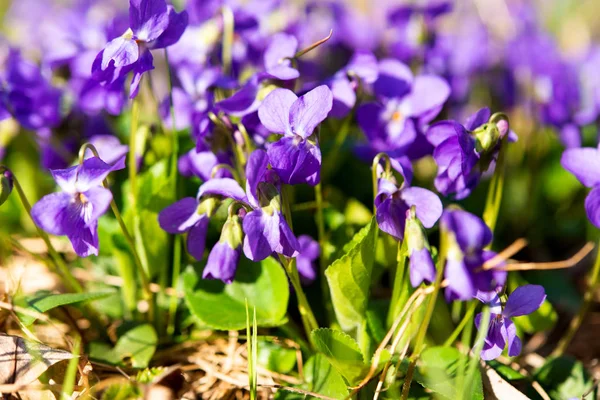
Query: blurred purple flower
point(225, 255)
point(74, 212)
point(407, 104)
point(502, 331)
point(309, 252)
point(278, 55)
point(294, 157)
point(27, 95)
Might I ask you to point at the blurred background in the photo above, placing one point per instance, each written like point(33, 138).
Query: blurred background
point(538, 61)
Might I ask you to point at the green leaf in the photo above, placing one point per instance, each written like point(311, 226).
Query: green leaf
point(505, 371)
point(544, 318)
point(137, 344)
point(438, 369)
point(564, 378)
point(323, 378)
point(342, 352)
point(275, 357)
point(43, 302)
point(349, 278)
point(220, 306)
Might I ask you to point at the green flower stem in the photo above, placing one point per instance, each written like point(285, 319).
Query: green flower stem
point(494, 197)
point(132, 160)
point(228, 34)
point(588, 298)
point(465, 389)
point(308, 317)
point(60, 267)
point(326, 300)
point(176, 271)
point(398, 288)
point(420, 339)
point(466, 319)
point(130, 241)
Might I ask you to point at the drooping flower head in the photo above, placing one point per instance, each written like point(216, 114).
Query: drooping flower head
point(393, 203)
point(295, 158)
point(464, 152)
point(152, 25)
point(502, 331)
point(75, 210)
point(467, 237)
point(308, 253)
point(191, 215)
point(421, 267)
point(225, 255)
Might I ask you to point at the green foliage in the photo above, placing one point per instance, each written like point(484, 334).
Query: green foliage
point(505, 371)
point(154, 192)
point(44, 301)
point(438, 371)
point(137, 344)
point(275, 357)
point(342, 352)
point(564, 378)
point(264, 285)
point(349, 278)
point(323, 378)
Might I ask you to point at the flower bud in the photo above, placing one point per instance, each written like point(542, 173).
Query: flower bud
point(224, 257)
point(6, 185)
point(487, 136)
point(421, 266)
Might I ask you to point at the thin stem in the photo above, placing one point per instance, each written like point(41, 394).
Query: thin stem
point(63, 271)
point(132, 161)
point(474, 362)
point(398, 288)
point(494, 197)
point(588, 297)
point(334, 153)
point(322, 259)
point(177, 240)
point(468, 317)
point(314, 45)
point(420, 339)
point(308, 317)
point(174, 283)
point(228, 34)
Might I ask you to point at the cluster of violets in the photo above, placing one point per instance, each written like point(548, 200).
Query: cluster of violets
point(402, 75)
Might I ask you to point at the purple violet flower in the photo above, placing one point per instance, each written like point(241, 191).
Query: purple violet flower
point(75, 210)
point(421, 267)
point(584, 163)
point(265, 227)
point(502, 331)
point(467, 237)
point(152, 25)
point(295, 158)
